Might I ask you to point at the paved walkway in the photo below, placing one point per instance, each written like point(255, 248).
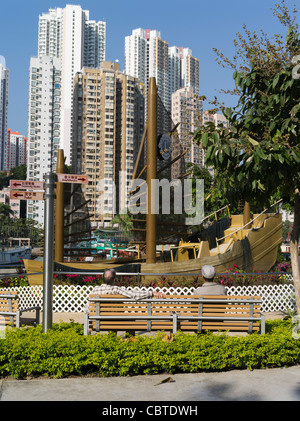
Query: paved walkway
point(276, 384)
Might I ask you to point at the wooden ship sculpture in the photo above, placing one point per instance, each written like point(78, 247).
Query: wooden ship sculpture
point(243, 240)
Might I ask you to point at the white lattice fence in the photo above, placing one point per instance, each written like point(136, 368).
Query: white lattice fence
point(71, 299)
point(274, 297)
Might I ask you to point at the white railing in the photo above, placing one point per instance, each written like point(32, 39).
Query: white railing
point(72, 298)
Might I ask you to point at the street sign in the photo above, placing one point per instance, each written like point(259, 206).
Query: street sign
point(26, 184)
point(72, 178)
point(26, 195)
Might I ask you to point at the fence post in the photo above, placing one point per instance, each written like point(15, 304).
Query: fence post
point(234, 279)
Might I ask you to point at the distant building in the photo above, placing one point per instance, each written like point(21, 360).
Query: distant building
point(16, 149)
point(187, 110)
point(107, 130)
point(44, 126)
point(147, 55)
point(215, 118)
point(14, 204)
point(4, 89)
point(69, 35)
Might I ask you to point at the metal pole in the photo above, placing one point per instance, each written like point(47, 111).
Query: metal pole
point(48, 252)
point(151, 170)
point(59, 210)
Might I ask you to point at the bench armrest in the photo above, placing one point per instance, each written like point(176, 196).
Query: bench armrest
point(37, 314)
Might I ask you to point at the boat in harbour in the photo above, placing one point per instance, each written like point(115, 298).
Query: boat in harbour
point(14, 256)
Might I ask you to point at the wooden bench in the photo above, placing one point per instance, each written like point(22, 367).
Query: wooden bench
point(10, 313)
point(184, 312)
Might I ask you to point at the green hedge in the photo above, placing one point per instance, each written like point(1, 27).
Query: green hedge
point(64, 351)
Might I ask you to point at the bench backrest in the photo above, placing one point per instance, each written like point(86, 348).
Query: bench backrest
point(233, 307)
point(9, 303)
point(186, 306)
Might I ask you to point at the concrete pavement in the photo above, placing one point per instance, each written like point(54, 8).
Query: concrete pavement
point(276, 384)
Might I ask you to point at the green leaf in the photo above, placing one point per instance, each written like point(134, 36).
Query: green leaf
point(296, 156)
point(295, 110)
point(208, 152)
point(204, 139)
point(253, 141)
point(227, 150)
point(216, 137)
point(275, 80)
point(237, 79)
point(272, 126)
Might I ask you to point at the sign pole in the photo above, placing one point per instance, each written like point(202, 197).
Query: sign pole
point(59, 211)
point(48, 252)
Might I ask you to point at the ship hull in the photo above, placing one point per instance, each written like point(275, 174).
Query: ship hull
point(262, 243)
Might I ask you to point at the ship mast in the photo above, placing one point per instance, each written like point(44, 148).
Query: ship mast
point(151, 171)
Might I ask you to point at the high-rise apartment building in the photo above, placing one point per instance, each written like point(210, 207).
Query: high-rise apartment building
point(16, 153)
point(69, 34)
point(4, 89)
point(107, 130)
point(187, 109)
point(189, 69)
point(147, 55)
point(44, 122)
point(67, 41)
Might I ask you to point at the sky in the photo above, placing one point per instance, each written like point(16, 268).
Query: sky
point(197, 24)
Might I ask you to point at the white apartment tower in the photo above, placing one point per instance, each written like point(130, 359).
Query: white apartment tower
point(16, 149)
point(44, 115)
point(147, 55)
point(67, 41)
point(69, 35)
point(4, 85)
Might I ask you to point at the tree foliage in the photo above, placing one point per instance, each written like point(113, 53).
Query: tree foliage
point(259, 154)
point(16, 173)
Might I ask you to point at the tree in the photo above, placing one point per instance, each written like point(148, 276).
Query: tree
point(260, 154)
point(124, 222)
point(214, 197)
point(18, 173)
point(5, 211)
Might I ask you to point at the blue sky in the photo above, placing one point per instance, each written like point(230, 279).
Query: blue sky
point(197, 24)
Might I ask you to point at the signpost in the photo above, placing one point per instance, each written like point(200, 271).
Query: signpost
point(72, 178)
point(26, 184)
point(26, 195)
point(39, 190)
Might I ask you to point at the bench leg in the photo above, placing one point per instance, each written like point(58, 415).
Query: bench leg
point(86, 324)
point(18, 318)
point(175, 321)
point(37, 316)
point(263, 324)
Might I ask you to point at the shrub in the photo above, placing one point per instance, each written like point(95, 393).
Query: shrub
point(64, 351)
